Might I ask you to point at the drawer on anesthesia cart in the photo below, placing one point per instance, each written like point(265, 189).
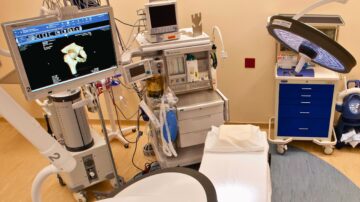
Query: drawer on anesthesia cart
point(305, 110)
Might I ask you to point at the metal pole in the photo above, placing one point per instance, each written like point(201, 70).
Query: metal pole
point(109, 109)
point(103, 125)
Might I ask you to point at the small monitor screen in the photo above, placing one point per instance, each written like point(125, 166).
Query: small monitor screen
point(162, 16)
point(136, 71)
point(62, 51)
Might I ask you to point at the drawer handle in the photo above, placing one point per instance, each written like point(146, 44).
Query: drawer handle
point(305, 95)
point(305, 102)
point(303, 129)
point(304, 112)
point(306, 88)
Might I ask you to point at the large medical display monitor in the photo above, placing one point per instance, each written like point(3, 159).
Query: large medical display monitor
point(52, 55)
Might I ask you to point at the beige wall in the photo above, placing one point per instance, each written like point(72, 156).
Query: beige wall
point(251, 91)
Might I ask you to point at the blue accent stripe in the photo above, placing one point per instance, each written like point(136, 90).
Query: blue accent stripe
point(63, 35)
point(53, 30)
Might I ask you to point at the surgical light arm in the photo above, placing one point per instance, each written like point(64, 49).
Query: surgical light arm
point(316, 5)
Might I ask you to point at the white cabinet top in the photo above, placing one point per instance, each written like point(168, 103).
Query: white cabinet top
point(320, 74)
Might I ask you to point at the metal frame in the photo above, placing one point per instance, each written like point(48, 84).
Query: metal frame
point(30, 95)
point(326, 77)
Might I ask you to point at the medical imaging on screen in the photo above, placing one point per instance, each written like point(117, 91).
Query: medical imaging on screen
point(61, 51)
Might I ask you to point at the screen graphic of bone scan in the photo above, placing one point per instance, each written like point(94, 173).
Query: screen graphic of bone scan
point(63, 51)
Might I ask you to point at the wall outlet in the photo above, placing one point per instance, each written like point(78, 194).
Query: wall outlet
point(250, 62)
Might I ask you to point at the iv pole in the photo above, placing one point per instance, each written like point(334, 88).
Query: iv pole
point(114, 133)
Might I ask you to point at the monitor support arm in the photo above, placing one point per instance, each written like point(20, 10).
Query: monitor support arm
point(316, 5)
point(60, 159)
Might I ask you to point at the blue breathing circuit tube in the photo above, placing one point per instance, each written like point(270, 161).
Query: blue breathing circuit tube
point(168, 128)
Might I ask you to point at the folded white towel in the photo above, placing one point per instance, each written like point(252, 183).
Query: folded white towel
point(235, 138)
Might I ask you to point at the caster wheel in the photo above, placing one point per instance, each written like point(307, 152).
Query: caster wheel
point(281, 149)
point(60, 180)
point(328, 150)
point(133, 130)
point(126, 146)
point(80, 196)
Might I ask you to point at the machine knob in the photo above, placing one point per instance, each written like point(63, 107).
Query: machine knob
point(92, 174)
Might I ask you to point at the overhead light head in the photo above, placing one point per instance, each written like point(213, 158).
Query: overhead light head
point(310, 42)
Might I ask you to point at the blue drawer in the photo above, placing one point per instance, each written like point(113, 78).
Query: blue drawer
point(298, 127)
point(305, 111)
point(306, 101)
point(306, 91)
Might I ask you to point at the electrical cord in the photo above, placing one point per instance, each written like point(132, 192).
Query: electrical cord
point(131, 33)
point(120, 38)
point(126, 46)
point(127, 24)
point(122, 84)
point(120, 129)
point(117, 119)
point(137, 140)
point(138, 32)
point(118, 108)
point(139, 93)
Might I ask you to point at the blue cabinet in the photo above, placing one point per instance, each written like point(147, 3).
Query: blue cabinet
point(304, 110)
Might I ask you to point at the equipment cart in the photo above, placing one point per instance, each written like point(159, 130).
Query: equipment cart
point(304, 108)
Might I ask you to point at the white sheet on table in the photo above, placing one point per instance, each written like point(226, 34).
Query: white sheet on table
point(235, 138)
point(240, 176)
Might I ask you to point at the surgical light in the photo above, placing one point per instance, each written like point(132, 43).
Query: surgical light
point(310, 43)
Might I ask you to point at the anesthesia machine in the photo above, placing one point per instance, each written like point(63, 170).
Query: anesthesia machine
point(306, 93)
point(180, 97)
point(183, 87)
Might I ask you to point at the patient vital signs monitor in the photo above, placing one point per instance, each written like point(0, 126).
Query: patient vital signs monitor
point(161, 21)
point(52, 56)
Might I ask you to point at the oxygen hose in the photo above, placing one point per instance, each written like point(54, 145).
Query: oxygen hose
point(167, 146)
point(169, 143)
